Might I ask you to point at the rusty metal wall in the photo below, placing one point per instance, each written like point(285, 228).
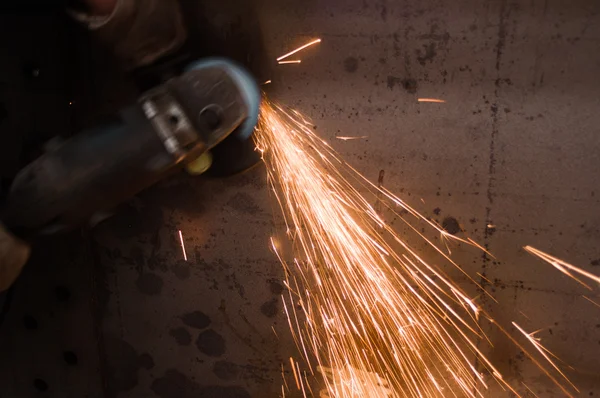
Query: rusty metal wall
point(117, 312)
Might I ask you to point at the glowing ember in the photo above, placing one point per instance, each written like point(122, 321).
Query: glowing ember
point(295, 61)
point(375, 314)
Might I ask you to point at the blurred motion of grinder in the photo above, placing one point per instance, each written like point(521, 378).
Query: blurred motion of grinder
point(195, 114)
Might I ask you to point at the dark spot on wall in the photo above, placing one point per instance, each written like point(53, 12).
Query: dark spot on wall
point(351, 64)
point(62, 293)
point(451, 225)
point(382, 61)
point(123, 364)
point(211, 343)
point(196, 320)
point(138, 256)
point(437, 211)
point(146, 361)
point(426, 55)
point(410, 85)
point(275, 287)
point(149, 283)
point(70, 358)
point(226, 370)
point(244, 203)
point(392, 81)
point(174, 384)
point(40, 385)
point(30, 322)
point(181, 270)
point(270, 308)
point(472, 27)
point(181, 336)
point(595, 262)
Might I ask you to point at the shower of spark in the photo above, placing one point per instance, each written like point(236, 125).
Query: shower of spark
point(371, 314)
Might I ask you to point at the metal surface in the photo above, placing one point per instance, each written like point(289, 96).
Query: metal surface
point(513, 148)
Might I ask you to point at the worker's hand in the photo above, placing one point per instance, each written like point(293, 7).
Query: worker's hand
point(138, 31)
point(13, 256)
point(101, 7)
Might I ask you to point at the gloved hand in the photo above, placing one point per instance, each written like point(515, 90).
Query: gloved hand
point(138, 31)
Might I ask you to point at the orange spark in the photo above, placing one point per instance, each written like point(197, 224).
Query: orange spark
point(591, 301)
point(563, 266)
point(438, 101)
point(364, 303)
point(348, 138)
point(530, 390)
point(182, 245)
point(294, 61)
point(522, 313)
point(294, 371)
point(543, 351)
point(299, 49)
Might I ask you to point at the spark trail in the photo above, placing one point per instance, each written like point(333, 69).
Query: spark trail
point(369, 312)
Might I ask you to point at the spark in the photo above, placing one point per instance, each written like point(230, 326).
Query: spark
point(182, 245)
point(543, 351)
point(522, 313)
point(293, 61)
point(591, 301)
point(267, 82)
point(284, 56)
point(530, 390)
point(563, 266)
point(484, 278)
point(370, 310)
point(293, 365)
point(348, 138)
point(435, 100)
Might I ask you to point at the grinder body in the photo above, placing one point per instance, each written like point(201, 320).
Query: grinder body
point(171, 125)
